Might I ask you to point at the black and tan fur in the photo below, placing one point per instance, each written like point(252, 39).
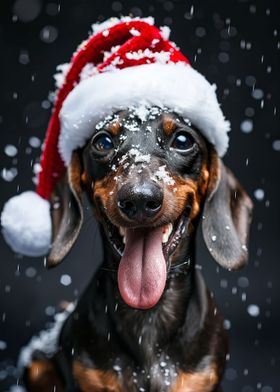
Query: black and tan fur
point(179, 345)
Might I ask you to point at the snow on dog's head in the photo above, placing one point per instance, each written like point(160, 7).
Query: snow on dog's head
point(123, 63)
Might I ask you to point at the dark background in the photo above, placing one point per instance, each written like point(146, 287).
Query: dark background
point(236, 45)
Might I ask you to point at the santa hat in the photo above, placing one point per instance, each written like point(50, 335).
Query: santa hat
point(124, 62)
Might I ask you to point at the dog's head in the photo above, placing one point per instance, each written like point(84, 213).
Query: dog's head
point(150, 175)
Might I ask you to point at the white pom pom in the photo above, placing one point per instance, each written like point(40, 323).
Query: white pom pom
point(26, 224)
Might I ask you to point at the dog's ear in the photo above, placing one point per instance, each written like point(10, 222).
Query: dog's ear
point(67, 212)
point(226, 217)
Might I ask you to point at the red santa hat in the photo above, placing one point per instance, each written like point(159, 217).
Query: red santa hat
point(125, 62)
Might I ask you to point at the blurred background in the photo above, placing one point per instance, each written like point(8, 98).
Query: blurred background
point(236, 45)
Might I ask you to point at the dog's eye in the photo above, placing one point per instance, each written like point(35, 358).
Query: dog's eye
point(102, 143)
point(182, 141)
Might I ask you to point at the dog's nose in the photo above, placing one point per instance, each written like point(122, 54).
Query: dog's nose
point(140, 201)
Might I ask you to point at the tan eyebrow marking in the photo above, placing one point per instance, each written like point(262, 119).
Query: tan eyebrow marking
point(114, 128)
point(169, 125)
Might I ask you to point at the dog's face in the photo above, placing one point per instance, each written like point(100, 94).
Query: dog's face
point(149, 176)
point(148, 173)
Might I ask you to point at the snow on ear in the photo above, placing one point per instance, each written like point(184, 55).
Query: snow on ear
point(227, 217)
point(26, 224)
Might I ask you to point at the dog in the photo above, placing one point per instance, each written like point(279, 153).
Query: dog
point(146, 322)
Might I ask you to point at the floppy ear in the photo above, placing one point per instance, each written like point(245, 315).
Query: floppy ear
point(227, 217)
point(67, 212)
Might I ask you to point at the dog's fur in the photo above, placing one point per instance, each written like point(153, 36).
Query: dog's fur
point(180, 343)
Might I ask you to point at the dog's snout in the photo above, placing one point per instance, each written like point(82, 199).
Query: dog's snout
point(140, 201)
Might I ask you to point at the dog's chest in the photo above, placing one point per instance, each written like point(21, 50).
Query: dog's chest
point(160, 372)
point(123, 376)
point(160, 377)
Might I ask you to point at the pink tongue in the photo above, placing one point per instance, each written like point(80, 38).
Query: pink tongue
point(142, 269)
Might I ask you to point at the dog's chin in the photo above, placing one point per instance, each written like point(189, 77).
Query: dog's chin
point(145, 253)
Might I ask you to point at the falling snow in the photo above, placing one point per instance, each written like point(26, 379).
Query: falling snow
point(10, 150)
point(253, 310)
point(65, 280)
point(259, 194)
point(276, 145)
point(246, 126)
point(243, 65)
point(9, 174)
point(3, 345)
point(257, 93)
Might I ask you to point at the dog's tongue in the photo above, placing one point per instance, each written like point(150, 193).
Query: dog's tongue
point(142, 270)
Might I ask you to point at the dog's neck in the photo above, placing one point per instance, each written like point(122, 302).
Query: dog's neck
point(146, 332)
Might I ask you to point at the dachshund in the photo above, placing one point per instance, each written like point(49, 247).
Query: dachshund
point(146, 321)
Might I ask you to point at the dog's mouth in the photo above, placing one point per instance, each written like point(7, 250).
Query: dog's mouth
point(145, 259)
